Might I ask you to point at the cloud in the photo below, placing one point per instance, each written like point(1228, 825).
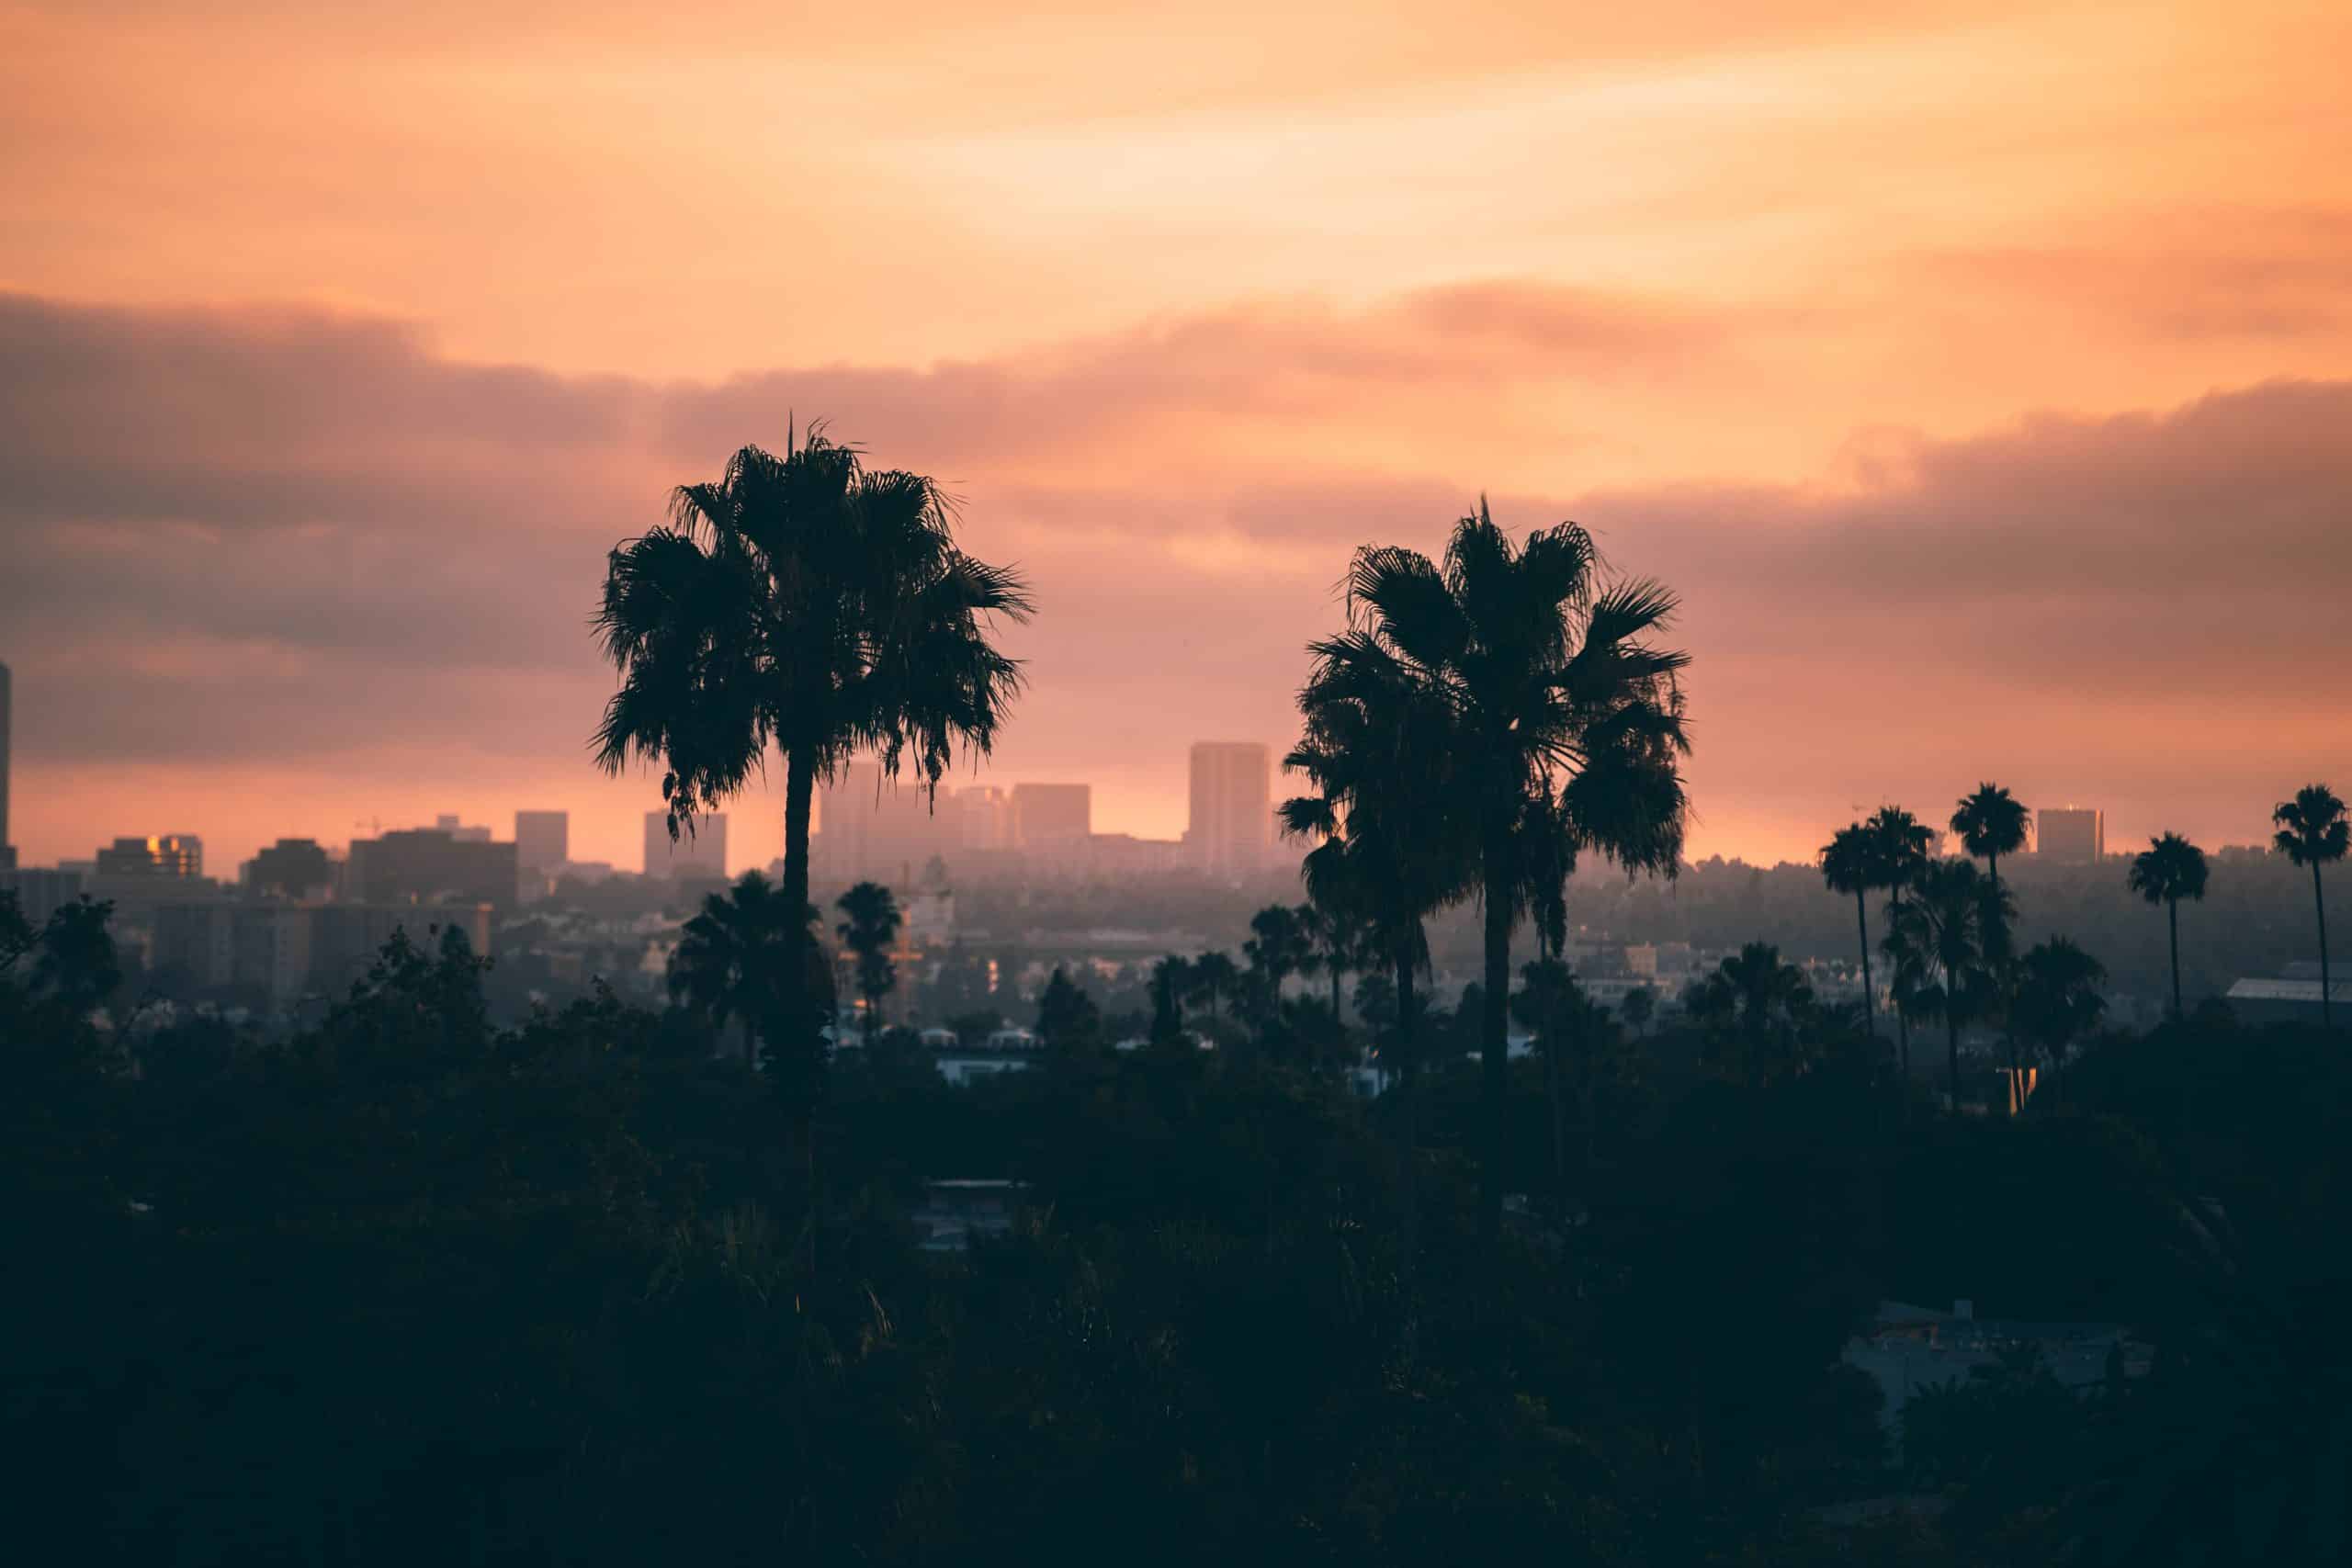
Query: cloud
point(241, 537)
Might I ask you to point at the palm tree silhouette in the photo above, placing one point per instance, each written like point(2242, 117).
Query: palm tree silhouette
point(1214, 977)
point(2312, 831)
point(1761, 1005)
point(2058, 1000)
point(869, 932)
point(1337, 943)
point(1638, 1007)
point(1898, 844)
point(1991, 824)
point(1941, 931)
point(2168, 870)
point(1850, 863)
point(806, 603)
point(1543, 681)
point(731, 959)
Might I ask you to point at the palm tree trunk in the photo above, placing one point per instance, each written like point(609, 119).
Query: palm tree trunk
point(1952, 1045)
point(1495, 1032)
point(1409, 1132)
point(798, 1023)
point(2172, 921)
point(1870, 997)
point(2326, 993)
point(1559, 1128)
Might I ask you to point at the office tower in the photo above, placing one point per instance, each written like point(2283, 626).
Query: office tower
point(426, 866)
point(8, 845)
point(291, 868)
point(2070, 835)
point(159, 855)
point(979, 816)
point(1233, 810)
point(700, 853)
point(878, 829)
point(542, 841)
point(447, 823)
point(1050, 815)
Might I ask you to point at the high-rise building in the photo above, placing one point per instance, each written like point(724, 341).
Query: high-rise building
point(2070, 835)
point(542, 841)
point(290, 868)
point(425, 866)
point(41, 892)
point(161, 855)
point(979, 816)
point(8, 845)
point(873, 828)
point(700, 853)
point(447, 823)
point(1047, 816)
point(1233, 810)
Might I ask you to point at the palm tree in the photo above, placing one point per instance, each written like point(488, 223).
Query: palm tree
point(2312, 831)
point(806, 603)
point(1337, 945)
point(1639, 1007)
point(731, 959)
point(1850, 863)
point(1760, 1006)
point(869, 932)
point(1898, 844)
point(2168, 870)
point(1280, 944)
point(1991, 823)
point(1941, 931)
point(1171, 982)
point(2058, 1000)
point(1546, 690)
point(1216, 977)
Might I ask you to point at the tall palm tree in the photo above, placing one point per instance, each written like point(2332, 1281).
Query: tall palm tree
point(1898, 844)
point(809, 604)
point(2168, 870)
point(1850, 863)
point(731, 958)
point(1216, 977)
point(2312, 831)
point(1991, 822)
point(1338, 943)
point(1941, 927)
point(1760, 1006)
point(869, 932)
point(1547, 688)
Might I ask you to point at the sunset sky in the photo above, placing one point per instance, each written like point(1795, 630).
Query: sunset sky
point(1980, 374)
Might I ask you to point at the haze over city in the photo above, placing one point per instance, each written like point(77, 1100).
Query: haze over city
point(1952, 363)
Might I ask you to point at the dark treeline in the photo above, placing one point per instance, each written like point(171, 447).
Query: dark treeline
point(412, 1287)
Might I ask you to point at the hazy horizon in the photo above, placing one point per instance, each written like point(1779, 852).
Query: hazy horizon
point(1978, 376)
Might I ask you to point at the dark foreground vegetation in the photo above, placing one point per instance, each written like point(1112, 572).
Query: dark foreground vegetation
point(413, 1290)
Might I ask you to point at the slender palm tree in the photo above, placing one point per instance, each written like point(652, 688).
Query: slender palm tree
point(1899, 843)
point(1338, 943)
point(731, 959)
point(1850, 863)
point(1548, 689)
point(1990, 823)
point(2313, 831)
point(869, 934)
point(1940, 927)
point(811, 604)
point(2168, 870)
point(2058, 1000)
point(1214, 977)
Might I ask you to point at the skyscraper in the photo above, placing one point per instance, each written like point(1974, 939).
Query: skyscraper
point(162, 854)
point(542, 842)
point(2070, 835)
point(875, 829)
point(1233, 810)
point(702, 853)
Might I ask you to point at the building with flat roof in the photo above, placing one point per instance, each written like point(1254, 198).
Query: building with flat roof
point(290, 868)
point(700, 852)
point(1052, 814)
point(41, 892)
point(2070, 835)
point(542, 839)
point(157, 855)
point(425, 866)
point(1231, 830)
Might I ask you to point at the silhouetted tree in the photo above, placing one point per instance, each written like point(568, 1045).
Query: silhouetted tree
point(1171, 983)
point(1067, 1019)
point(74, 959)
point(731, 958)
point(2058, 1000)
point(1756, 1008)
point(2168, 870)
point(806, 603)
point(1898, 843)
point(1638, 1007)
point(1850, 863)
point(1991, 823)
point(2312, 831)
point(869, 934)
point(1214, 977)
point(1546, 682)
point(1940, 925)
point(1280, 944)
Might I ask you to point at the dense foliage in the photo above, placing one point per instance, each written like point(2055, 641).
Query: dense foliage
point(412, 1287)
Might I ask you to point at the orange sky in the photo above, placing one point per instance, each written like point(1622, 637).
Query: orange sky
point(1982, 374)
